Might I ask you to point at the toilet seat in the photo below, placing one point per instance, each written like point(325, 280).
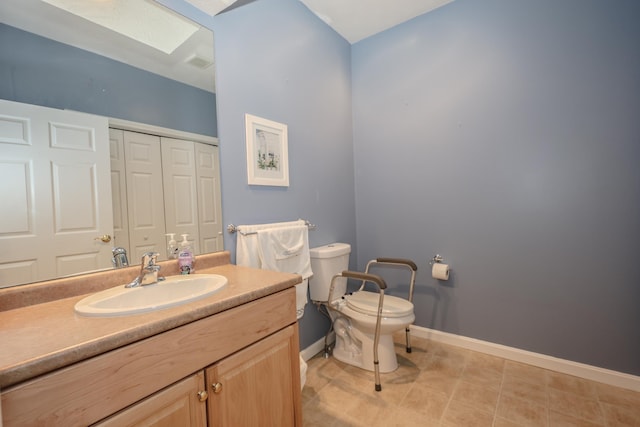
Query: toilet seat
point(367, 303)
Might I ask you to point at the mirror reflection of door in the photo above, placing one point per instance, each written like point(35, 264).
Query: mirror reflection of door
point(56, 199)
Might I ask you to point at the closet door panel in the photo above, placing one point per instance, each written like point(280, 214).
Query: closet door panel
point(119, 189)
point(179, 177)
point(209, 201)
point(145, 198)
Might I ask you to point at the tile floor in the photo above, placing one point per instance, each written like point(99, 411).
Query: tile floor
point(442, 385)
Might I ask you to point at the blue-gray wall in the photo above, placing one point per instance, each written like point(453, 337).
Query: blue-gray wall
point(276, 60)
point(505, 136)
point(39, 71)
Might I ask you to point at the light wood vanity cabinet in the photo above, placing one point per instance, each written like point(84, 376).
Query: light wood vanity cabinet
point(178, 405)
point(255, 387)
point(244, 358)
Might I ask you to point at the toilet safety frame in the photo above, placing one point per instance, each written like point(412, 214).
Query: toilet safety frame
point(382, 285)
point(402, 263)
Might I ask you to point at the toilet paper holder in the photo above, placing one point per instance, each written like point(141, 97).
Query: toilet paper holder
point(436, 259)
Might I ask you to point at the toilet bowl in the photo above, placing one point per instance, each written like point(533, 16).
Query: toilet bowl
point(354, 316)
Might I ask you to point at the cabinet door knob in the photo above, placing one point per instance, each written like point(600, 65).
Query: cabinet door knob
point(202, 396)
point(216, 387)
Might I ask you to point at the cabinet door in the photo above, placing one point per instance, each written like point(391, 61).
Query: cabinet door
point(181, 404)
point(258, 386)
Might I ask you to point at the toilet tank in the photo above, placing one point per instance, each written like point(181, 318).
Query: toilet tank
point(326, 262)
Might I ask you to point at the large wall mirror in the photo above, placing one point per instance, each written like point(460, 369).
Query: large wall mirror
point(156, 80)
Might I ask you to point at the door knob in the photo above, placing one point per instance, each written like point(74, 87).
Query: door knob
point(216, 387)
point(106, 238)
point(202, 396)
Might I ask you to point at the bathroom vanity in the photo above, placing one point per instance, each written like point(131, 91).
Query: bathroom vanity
point(230, 359)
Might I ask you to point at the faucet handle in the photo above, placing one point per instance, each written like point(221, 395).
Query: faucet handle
point(149, 258)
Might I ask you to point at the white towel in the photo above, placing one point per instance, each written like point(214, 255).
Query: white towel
point(287, 249)
point(290, 255)
point(247, 244)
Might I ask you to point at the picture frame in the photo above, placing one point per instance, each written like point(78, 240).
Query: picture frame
point(267, 152)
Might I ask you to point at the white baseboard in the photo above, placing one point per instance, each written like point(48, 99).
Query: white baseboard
point(315, 348)
point(593, 373)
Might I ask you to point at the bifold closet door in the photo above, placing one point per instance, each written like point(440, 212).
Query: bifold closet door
point(119, 190)
point(180, 198)
point(145, 198)
point(209, 200)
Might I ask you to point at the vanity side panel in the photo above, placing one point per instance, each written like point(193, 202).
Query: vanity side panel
point(98, 387)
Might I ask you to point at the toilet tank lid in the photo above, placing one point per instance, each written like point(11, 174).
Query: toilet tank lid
point(330, 251)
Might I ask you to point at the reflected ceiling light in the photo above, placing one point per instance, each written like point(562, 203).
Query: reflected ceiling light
point(143, 21)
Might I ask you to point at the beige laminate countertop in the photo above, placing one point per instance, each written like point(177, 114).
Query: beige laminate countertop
point(36, 339)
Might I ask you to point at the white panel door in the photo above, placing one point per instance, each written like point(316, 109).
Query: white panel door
point(180, 197)
point(145, 200)
point(119, 189)
point(209, 202)
point(56, 197)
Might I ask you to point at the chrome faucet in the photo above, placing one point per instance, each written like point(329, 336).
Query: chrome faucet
point(148, 271)
point(119, 259)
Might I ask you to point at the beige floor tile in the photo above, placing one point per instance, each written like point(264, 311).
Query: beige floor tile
point(519, 387)
point(621, 416)
point(576, 406)
point(475, 396)
point(528, 373)
point(438, 381)
point(429, 404)
point(562, 420)
point(402, 417)
point(393, 393)
point(368, 409)
point(488, 378)
point(523, 412)
point(319, 414)
point(484, 369)
point(501, 422)
point(321, 371)
point(458, 414)
point(444, 386)
point(485, 361)
point(445, 365)
point(339, 394)
point(449, 351)
point(618, 396)
point(571, 384)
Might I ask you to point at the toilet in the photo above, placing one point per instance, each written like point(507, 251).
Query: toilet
point(354, 316)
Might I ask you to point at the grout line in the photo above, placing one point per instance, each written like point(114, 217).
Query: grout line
point(495, 410)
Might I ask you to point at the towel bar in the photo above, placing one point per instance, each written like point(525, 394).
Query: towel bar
point(236, 228)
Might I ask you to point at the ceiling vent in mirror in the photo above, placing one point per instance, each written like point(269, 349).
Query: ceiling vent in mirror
point(199, 62)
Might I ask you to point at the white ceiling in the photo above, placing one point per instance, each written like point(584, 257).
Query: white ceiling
point(358, 19)
point(354, 20)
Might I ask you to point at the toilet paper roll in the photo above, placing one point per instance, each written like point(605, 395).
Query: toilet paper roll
point(440, 271)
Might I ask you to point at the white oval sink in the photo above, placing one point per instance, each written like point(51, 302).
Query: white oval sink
point(172, 291)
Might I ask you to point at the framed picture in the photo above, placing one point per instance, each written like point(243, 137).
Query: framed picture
point(267, 152)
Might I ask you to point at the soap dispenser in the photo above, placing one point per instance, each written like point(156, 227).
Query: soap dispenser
point(185, 256)
point(172, 247)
